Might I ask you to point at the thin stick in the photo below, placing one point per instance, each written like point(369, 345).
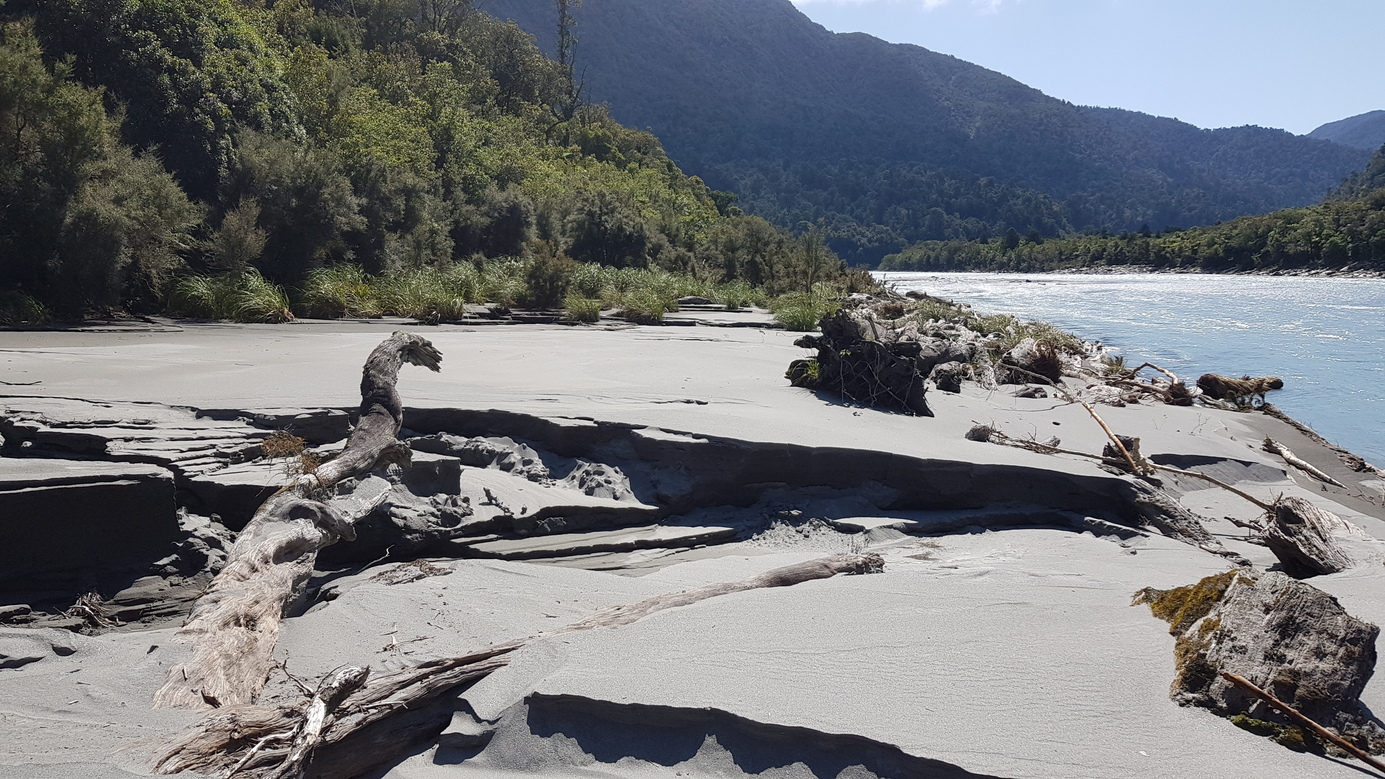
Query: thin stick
point(1164, 371)
point(1302, 719)
point(1120, 447)
point(1035, 446)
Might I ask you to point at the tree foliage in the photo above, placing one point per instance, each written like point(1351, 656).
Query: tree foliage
point(142, 137)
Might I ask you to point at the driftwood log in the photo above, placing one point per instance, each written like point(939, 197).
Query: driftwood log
point(258, 742)
point(1300, 535)
point(1274, 447)
point(234, 625)
point(1239, 391)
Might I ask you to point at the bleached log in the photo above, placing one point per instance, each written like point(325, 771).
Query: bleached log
point(1274, 447)
point(234, 626)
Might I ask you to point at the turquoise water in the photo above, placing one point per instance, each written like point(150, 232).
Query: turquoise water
point(1325, 337)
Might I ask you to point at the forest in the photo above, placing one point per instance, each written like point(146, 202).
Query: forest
point(890, 144)
point(1346, 232)
point(151, 150)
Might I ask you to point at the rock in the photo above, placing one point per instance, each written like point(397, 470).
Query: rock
point(1300, 535)
point(18, 612)
point(948, 376)
point(75, 521)
point(694, 300)
point(1031, 391)
point(1289, 638)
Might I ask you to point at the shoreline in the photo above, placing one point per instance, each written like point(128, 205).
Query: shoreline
point(1138, 270)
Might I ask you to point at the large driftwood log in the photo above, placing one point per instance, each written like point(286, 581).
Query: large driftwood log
point(235, 624)
point(259, 742)
point(1300, 535)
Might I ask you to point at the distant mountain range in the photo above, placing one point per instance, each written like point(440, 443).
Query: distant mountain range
point(893, 143)
point(1364, 131)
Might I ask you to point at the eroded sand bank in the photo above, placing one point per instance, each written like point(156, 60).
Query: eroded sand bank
point(1000, 640)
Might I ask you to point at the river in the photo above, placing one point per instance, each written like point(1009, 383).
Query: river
point(1324, 336)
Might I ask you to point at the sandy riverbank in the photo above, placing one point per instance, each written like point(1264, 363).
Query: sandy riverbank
point(999, 641)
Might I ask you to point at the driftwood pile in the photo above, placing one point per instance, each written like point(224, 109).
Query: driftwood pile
point(884, 352)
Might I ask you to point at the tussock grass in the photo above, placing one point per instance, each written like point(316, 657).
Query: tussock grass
point(234, 297)
point(339, 291)
point(582, 309)
point(802, 311)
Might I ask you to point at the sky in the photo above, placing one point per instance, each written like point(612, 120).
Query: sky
point(1293, 65)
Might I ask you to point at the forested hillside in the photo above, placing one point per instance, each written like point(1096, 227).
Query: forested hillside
point(1364, 131)
point(894, 143)
point(1346, 232)
point(143, 139)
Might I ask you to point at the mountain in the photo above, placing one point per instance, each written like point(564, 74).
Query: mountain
point(1364, 131)
point(892, 143)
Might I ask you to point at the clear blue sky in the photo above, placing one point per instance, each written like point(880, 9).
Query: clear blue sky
point(1213, 63)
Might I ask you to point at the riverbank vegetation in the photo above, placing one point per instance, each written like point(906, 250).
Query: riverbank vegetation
point(1346, 232)
point(246, 159)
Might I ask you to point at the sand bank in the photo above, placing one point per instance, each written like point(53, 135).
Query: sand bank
point(1000, 640)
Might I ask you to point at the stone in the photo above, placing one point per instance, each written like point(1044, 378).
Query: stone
point(1283, 635)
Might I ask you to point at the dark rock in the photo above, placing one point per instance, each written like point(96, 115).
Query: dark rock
point(1031, 391)
point(18, 612)
point(694, 300)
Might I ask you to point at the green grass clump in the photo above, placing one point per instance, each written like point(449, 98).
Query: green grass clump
point(582, 309)
point(802, 311)
point(737, 294)
point(647, 304)
point(430, 295)
point(18, 309)
point(339, 291)
point(233, 297)
point(502, 282)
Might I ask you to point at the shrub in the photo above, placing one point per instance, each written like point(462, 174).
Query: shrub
point(338, 291)
point(737, 294)
point(547, 280)
point(19, 308)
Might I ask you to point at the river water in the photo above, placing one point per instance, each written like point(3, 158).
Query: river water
point(1324, 336)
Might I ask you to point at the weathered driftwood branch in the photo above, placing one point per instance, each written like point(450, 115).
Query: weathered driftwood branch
point(1300, 535)
point(1301, 719)
point(235, 624)
point(1297, 532)
point(1130, 462)
point(237, 737)
point(1274, 447)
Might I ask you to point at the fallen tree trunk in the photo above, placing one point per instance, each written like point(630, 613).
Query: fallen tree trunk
point(1300, 535)
point(234, 625)
point(258, 742)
